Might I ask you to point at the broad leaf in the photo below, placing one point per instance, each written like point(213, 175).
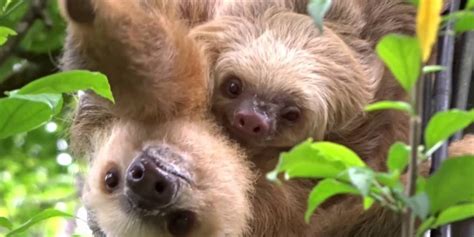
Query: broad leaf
point(68, 82)
point(305, 161)
point(402, 56)
point(454, 213)
point(335, 152)
point(398, 157)
point(317, 9)
point(361, 178)
point(397, 105)
point(470, 4)
point(44, 215)
point(444, 124)
point(451, 184)
point(4, 33)
point(18, 115)
point(5, 223)
point(324, 190)
point(464, 22)
point(427, 23)
point(51, 100)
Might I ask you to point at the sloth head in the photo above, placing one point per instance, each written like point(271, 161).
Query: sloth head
point(279, 80)
point(158, 167)
point(166, 180)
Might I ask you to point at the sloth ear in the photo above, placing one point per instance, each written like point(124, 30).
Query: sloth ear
point(80, 11)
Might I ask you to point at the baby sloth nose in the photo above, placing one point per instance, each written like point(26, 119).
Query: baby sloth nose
point(251, 123)
point(150, 187)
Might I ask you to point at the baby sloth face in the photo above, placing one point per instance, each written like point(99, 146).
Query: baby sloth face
point(158, 185)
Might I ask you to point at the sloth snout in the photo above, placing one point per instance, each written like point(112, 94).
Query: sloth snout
point(149, 186)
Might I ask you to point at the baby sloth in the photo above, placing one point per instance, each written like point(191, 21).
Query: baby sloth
point(279, 80)
point(158, 166)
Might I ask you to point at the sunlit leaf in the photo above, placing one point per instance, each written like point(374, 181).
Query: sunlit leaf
point(324, 190)
point(336, 152)
point(317, 9)
point(5, 223)
point(450, 185)
point(52, 100)
point(398, 157)
point(444, 124)
point(361, 178)
point(402, 56)
point(44, 215)
point(70, 81)
point(427, 23)
point(316, 160)
point(368, 202)
point(18, 115)
point(4, 33)
point(433, 68)
point(454, 213)
point(397, 105)
point(470, 4)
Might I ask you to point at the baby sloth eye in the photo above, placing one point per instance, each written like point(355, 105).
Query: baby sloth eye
point(112, 179)
point(291, 113)
point(232, 87)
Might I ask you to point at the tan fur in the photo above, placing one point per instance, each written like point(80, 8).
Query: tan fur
point(160, 87)
point(332, 75)
point(462, 147)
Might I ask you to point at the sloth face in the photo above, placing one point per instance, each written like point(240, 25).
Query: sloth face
point(145, 181)
point(279, 80)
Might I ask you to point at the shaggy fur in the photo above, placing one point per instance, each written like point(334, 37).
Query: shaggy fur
point(160, 89)
point(276, 50)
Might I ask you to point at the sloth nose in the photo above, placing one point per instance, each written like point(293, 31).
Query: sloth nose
point(150, 186)
point(251, 123)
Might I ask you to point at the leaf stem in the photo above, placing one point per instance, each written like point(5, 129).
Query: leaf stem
point(416, 99)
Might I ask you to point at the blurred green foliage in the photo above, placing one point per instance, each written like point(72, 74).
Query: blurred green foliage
point(37, 171)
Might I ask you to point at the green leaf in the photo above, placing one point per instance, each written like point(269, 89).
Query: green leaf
point(420, 205)
point(4, 222)
point(451, 184)
point(324, 190)
point(317, 9)
point(433, 68)
point(398, 157)
point(18, 115)
point(44, 215)
point(402, 56)
point(4, 33)
point(391, 180)
point(397, 105)
point(368, 202)
point(444, 124)
point(68, 82)
point(464, 22)
point(470, 4)
point(455, 213)
point(51, 100)
point(362, 179)
point(315, 160)
point(425, 225)
point(336, 152)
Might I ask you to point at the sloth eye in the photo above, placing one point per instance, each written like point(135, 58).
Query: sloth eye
point(232, 87)
point(291, 113)
point(112, 179)
point(181, 223)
